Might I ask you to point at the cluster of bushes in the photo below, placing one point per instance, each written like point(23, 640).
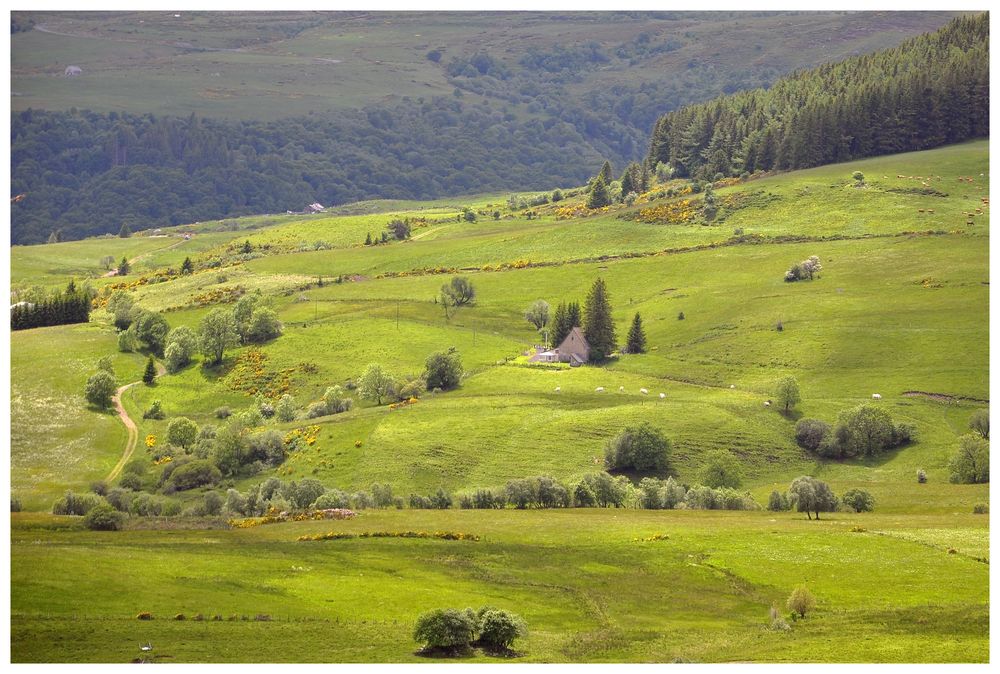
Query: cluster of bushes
point(866, 430)
point(603, 490)
point(453, 631)
point(809, 495)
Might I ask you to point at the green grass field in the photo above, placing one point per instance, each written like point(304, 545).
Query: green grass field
point(899, 310)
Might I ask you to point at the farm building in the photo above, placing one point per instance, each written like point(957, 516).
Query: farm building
point(314, 208)
point(73, 71)
point(573, 350)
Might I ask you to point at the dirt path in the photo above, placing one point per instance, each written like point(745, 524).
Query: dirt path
point(130, 427)
point(135, 259)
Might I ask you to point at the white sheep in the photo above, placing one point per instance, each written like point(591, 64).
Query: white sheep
point(732, 386)
point(876, 396)
point(621, 389)
point(662, 396)
point(643, 391)
point(558, 388)
point(599, 389)
point(767, 403)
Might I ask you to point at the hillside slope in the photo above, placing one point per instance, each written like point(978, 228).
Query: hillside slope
point(897, 311)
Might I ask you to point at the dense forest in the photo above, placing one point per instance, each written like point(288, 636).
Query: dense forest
point(929, 91)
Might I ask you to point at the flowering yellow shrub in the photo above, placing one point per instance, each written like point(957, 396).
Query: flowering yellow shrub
point(250, 375)
point(150, 440)
point(670, 213)
point(654, 537)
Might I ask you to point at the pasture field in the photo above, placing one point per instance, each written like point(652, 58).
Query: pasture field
point(899, 309)
point(276, 65)
point(589, 587)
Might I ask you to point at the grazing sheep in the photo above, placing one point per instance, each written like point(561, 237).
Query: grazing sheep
point(558, 388)
point(767, 403)
point(876, 396)
point(643, 391)
point(599, 389)
point(732, 386)
point(662, 396)
point(621, 389)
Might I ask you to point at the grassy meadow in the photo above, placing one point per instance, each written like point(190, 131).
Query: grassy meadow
point(899, 309)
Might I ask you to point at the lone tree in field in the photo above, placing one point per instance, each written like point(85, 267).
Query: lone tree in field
point(216, 333)
point(812, 496)
point(538, 314)
point(443, 371)
point(458, 291)
point(182, 344)
point(636, 342)
point(375, 383)
point(149, 375)
point(980, 423)
point(801, 601)
point(187, 266)
point(599, 194)
point(598, 326)
point(124, 232)
point(124, 267)
point(786, 394)
point(971, 463)
point(100, 388)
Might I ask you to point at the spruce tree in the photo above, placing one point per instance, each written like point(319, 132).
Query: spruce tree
point(598, 326)
point(124, 232)
point(368, 239)
point(599, 195)
point(124, 267)
point(187, 266)
point(560, 327)
point(636, 336)
point(573, 316)
point(606, 173)
point(149, 376)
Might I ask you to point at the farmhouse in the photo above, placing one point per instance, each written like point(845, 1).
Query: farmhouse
point(573, 350)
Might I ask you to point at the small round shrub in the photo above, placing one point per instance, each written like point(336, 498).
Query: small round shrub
point(145, 615)
point(104, 517)
point(180, 616)
point(447, 629)
point(980, 509)
point(498, 629)
point(858, 500)
point(801, 601)
point(222, 413)
point(130, 481)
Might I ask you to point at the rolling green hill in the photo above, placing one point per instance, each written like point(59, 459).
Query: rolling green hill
point(898, 310)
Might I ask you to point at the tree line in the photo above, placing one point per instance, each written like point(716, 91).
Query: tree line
point(70, 306)
point(929, 91)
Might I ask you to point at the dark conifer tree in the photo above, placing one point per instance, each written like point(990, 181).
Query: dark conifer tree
point(636, 342)
point(607, 173)
point(124, 232)
point(573, 315)
point(599, 195)
point(560, 324)
point(124, 267)
point(149, 376)
point(598, 326)
point(187, 266)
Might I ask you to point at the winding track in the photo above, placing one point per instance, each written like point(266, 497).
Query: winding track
point(130, 427)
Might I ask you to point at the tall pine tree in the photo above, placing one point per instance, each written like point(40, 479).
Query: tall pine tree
point(560, 325)
point(599, 195)
point(598, 326)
